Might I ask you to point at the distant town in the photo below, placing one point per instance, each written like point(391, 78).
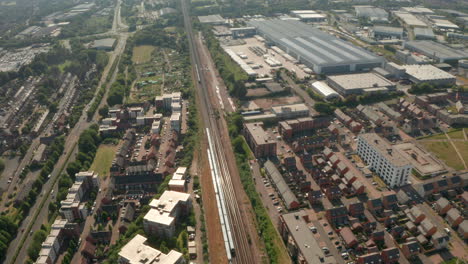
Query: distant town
point(205, 131)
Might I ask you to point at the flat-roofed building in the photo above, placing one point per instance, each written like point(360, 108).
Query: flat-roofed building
point(436, 51)
point(300, 242)
point(423, 162)
point(290, 111)
point(360, 83)
point(321, 52)
point(409, 19)
point(259, 141)
point(374, 14)
point(137, 251)
point(165, 211)
point(423, 33)
point(391, 166)
point(381, 32)
point(430, 74)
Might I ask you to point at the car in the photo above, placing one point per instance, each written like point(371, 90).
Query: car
point(337, 242)
point(330, 233)
point(271, 194)
point(48, 176)
point(325, 250)
point(9, 181)
point(279, 209)
point(445, 176)
point(374, 183)
point(325, 224)
point(345, 255)
point(275, 202)
point(447, 230)
point(313, 229)
point(267, 185)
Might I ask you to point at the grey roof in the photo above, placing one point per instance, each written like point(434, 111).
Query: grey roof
point(423, 32)
point(306, 243)
point(107, 43)
point(216, 19)
point(435, 50)
point(311, 44)
point(388, 30)
point(373, 13)
point(283, 188)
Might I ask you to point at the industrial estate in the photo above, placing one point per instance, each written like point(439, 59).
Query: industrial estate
point(206, 131)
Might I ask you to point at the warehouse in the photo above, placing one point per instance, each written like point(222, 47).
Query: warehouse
point(309, 15)
point(324, 90)
point(436, 51)
point(360, 83)
point(374, 14)
point(316, 49)
point(444, 24)
point(429, 73)
point(409, 19)
point(379, 32)
point(423, 34)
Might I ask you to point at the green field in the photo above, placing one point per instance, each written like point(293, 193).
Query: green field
point(103, 160)
point(457, 134)
point(142, 54)
point(445, 152)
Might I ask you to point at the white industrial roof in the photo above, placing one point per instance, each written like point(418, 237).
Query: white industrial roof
point(444, 23)
point(427, 72)
point(323, 89)
point(360, 81)
point(305, 16)
point(296, 12)
point(409, 19)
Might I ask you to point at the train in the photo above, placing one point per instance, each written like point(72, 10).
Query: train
point(198, 73)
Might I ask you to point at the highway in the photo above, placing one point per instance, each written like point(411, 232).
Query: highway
point(38, 213)
point(244, 252)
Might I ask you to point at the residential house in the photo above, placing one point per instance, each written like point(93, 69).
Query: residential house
point(463, 229)
point(348, 237)
point(372, 258)
point(442, 206)
point(390, 255)
point(440, 240)
point(356, 209)
point(410, 249)
point(454, 218)
point(337, 216)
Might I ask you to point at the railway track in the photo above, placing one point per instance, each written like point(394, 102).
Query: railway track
point(237, 225)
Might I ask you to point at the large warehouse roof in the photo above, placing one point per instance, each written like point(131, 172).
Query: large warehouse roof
point(435, 50)
point(427, 72)
point(312, 45)
point(373, 13)
point(409, 19)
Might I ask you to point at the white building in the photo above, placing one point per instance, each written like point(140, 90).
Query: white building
point(156, 127)
point(324, 90)
point(137, 251)
point(388, 163)
point(161, 218)
point(290, 111)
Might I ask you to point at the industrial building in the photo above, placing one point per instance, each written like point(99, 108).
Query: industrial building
point(324, 90)
point(436, 51)
point(409, 19)
point(318, 50)
point(380, 32)
point(309, 15)
point(422, 33)
point(429, 73)
point(388, 163)
point(374, 14)
point(360, 83)
point(243, 32)
point(418, 10)
point(444, 24)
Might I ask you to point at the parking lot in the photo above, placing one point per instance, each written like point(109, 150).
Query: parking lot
point(264, 69)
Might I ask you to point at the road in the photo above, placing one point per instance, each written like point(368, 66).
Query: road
point(17, 250)
point(244, 251)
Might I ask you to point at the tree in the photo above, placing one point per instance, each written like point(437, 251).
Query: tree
point(238, 143)
point(324, 108)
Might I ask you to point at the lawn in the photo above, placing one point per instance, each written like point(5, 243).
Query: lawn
point(103, 160)
point(456, 134)
point(445, 152)
point(142, 54)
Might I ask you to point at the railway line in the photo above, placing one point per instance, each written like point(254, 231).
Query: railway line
point(234, 224)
